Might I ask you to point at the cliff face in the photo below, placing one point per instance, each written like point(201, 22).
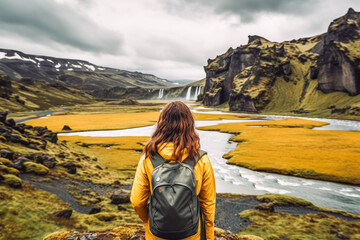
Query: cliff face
point(286, 77)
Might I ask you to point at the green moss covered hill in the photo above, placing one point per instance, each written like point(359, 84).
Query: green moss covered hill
point(28, 94)
point(318, 76)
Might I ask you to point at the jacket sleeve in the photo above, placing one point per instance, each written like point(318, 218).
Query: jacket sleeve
point(208, 197)
point(140, 191)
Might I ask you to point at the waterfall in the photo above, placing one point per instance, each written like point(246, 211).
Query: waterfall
point(188, 94)
point(161, 93)
point(197, 92)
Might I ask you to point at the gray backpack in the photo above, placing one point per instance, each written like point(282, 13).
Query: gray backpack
point(174, 208)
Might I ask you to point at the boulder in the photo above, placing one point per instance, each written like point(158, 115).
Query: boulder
point(4, 129)
point(19, 163)
point(120, 196)
point(95, 210)
point(31, 167)
point(16, 138)
point(51, 136)
point(121, 208)
point(6, 162)
point(70, 166)
point(46, 160)
point(66, 128)
point(20, 127)
point(342, 235)
point(105, 216)
point(3, 116)
point(6, 153)
point(265, 207)
point(66, 213)
point(10, 122)
point(12, 181)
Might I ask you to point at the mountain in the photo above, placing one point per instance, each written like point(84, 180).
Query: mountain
point(72, 73)
point(28, 94)
point(318, 75)
point(190, 91)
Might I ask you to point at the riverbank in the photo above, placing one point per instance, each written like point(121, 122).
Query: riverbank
point(291, 147)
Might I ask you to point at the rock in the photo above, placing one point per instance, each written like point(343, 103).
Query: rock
point(10, 122)
point(95, 210)
point(121, 208)
point(137, 237)
point(61, 155)
point(66, 128)
point(342, 235)
point(105, 216)
point(6, 153)
point(51, 136)
point(20, 127)
point(265, 206)
point(12, 181)
point(46, 159)
point(92, 237)
point(9, 170)
point(120, 196)
point(337, 72)
point(5, 129)
point(19, 163)
point(66, 213)
point(3, 116)
point(33, 146)
point(57, 235)
point(31, 167)
point(16, 138)
point(70, 166)
point(6, 162)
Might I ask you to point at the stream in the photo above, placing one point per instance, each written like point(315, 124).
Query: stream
point(239, 180)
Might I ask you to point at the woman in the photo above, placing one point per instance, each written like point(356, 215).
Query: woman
point(175, 140)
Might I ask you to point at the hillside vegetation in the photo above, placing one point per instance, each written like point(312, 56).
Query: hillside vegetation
point(317, 76)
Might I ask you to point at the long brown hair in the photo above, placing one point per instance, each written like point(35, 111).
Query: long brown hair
point(175, 124)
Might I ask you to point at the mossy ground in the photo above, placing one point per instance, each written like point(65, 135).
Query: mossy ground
point(119, 155)
point(278, 225)
point(290, 147)
point(116, 159)
point(27, 214)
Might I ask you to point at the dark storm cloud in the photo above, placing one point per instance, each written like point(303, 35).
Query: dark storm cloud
point(48, 21)
point(247, 9)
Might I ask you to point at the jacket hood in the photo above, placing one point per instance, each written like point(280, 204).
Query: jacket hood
point(166, 150)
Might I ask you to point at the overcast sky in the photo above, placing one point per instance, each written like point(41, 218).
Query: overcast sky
point(169, 38)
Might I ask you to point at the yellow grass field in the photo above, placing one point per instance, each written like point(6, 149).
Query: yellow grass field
point(88, 122)
point(121, 154)
point(290, 147)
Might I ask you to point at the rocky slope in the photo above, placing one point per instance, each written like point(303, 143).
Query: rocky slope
point(72, 73)
point(28, 94)
point(317, 75)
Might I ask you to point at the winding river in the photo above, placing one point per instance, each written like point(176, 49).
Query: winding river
point(234, 179)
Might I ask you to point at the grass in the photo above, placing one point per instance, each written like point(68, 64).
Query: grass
point(277, 225)
point(87, 122)
point(119, 155)
point(289, 147)
point(26, 213)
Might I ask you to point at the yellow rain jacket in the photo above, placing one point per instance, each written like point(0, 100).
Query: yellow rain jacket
point(205, 188)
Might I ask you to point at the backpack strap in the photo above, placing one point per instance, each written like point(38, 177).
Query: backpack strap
point(157, 159)
point(191, 163)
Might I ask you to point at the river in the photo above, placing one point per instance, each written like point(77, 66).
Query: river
point(234, 179)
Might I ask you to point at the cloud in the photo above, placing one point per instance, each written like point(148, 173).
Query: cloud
point(54, 23)
point(248, 9)
point(169, 38)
